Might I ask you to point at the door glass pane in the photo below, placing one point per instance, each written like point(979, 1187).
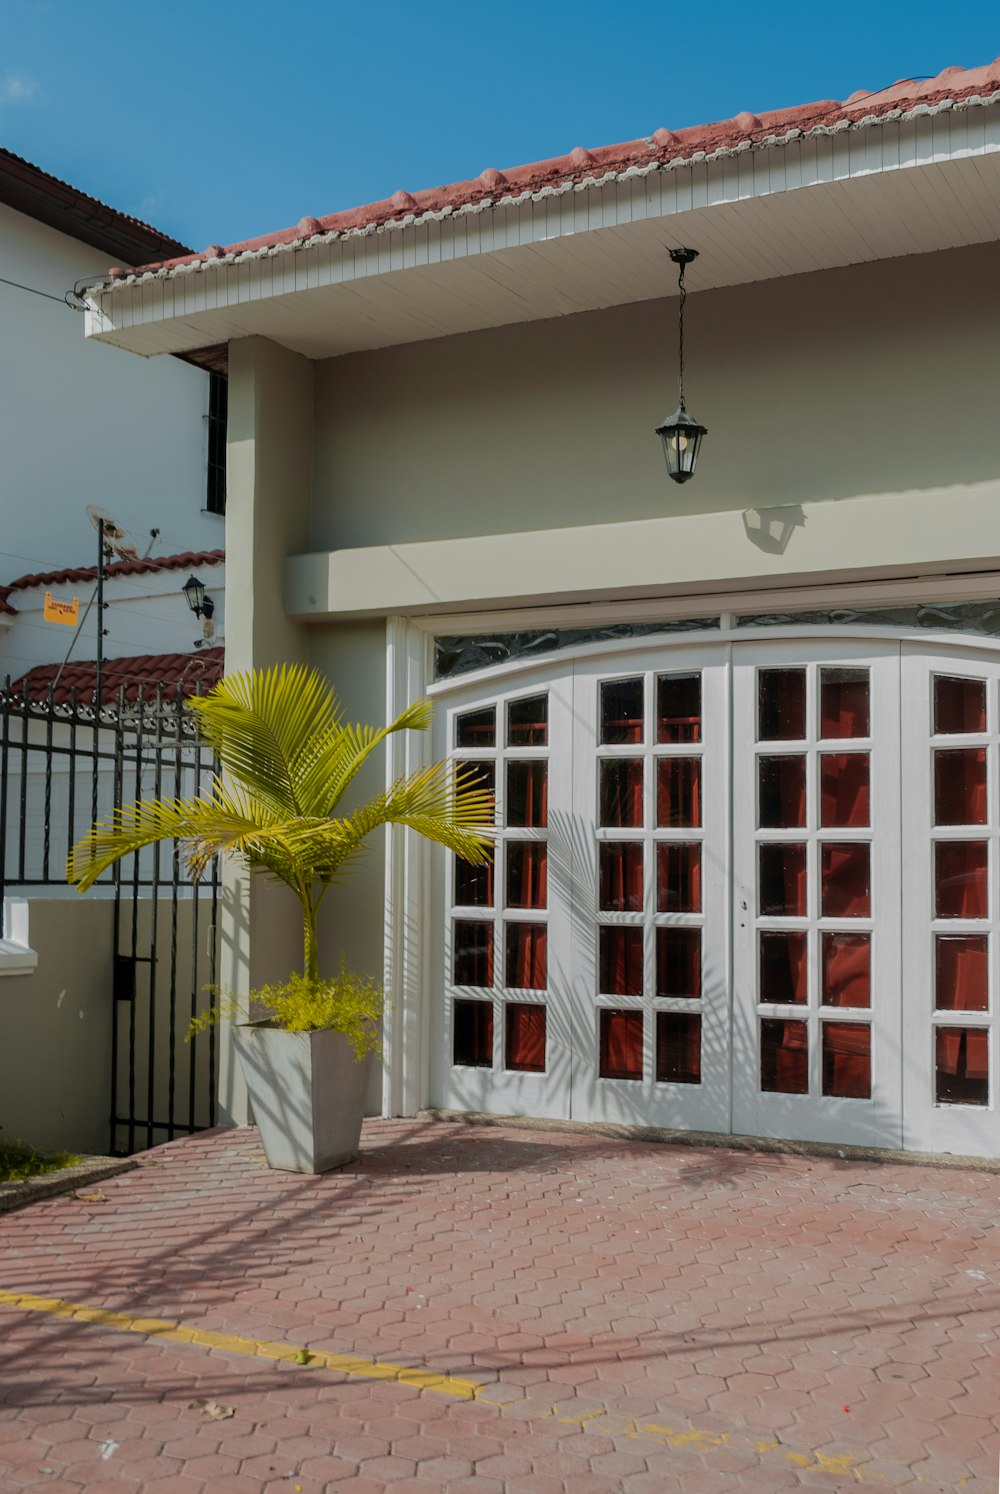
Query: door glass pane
point(621, 711)
point(528, 722)
point(783, 970)
point(961, 972)
point(524, 1038)
point(621, 876)
point(678, 1048)
point(473, 1034)
point(526, 957)
point(781, 705)
point(621, 792)
point(782, 870)
point(527, 874)
point(678, 877)
point(781, 795)
point(959, 705)
point(678, 708)
point(962, 1066)
point(620, 1044)
point(678, 792)
point(844, 791)
point(784, 1057)
point(473, 884)
point(473, 950)
point(477, 728)
point(527, 794)
point(847, 1060)
point(678, 962)
point(844, 709)
point(960, 787)
point(847, 970)
point(621, 962)
point(960, 886)
point(845, 874)
point(477, 773)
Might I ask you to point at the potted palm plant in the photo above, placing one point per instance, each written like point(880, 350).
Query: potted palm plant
point(287, 760)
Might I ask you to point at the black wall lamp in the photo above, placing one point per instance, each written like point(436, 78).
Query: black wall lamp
point(681, 434)
point(200, 604)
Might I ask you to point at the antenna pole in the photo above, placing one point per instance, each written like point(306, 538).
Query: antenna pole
point(100, 617)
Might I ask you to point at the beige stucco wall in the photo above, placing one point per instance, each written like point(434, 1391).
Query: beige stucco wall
point(269, 476)
point(813, 388)
point(353, 658)
point(55, 1059)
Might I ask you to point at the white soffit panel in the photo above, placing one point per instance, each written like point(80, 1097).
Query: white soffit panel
point(905, 187)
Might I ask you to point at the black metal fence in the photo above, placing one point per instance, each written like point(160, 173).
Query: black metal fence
point(63, 765)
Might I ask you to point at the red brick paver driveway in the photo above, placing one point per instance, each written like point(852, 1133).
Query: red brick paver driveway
point(615, 1315)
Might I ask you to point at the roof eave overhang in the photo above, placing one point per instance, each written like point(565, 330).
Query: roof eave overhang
point(422, 275)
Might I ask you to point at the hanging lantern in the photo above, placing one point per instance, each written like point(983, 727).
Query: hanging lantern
point(681, 434)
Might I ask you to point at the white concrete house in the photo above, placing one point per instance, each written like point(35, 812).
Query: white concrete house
point(744, 732)
point(83, 426)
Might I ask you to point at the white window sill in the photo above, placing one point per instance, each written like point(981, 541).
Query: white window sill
point(16, 955)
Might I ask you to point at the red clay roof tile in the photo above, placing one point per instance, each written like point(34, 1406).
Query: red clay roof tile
point(72, 575)
point(662, 148)
point(184, 674)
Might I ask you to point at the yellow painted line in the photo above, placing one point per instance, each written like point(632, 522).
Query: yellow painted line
point(845, 1465)
point(231, 1343)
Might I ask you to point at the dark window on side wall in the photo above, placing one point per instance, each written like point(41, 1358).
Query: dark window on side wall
point(218, 406)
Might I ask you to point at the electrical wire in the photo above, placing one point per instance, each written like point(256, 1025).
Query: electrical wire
point(32, 290)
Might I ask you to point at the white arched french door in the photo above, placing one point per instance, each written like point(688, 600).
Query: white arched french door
point(729, 892)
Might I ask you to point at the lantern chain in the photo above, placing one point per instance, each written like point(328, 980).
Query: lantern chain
point(681, 258)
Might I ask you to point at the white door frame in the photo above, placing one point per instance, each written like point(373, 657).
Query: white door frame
point(409, 931)
point(814, 1116)
point(960, 1128)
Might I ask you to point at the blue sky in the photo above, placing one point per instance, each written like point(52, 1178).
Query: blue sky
point(219, 121)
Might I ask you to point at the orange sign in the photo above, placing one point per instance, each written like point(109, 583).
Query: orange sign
point(61, 612)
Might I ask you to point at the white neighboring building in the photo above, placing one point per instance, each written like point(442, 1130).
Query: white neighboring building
point(85, 425)
point(146, 617)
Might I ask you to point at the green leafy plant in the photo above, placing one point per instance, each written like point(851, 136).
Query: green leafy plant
point(349, 1004)
point(288, 759)
point(19, 1160)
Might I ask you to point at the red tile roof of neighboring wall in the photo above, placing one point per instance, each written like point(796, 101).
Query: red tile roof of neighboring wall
point(81, 574)
point(184, 674)
point(663, 148)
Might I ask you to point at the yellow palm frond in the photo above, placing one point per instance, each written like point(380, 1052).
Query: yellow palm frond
point(266, 728)
point(288, 758)
point(440, 802)
point(221, 821)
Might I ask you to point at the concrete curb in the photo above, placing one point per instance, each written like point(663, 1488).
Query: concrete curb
point(64, 1180)
point(724, 1142)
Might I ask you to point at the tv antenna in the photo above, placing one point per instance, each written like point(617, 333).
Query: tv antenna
point(115, 538)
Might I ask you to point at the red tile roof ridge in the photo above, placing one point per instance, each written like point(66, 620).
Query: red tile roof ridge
point(136, 674)
point(83, 573)
point(952, 88)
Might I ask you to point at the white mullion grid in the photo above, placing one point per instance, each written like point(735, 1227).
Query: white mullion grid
point(675, 835)
point(504, 914)
point(958, 927)
point(635, 835)
point(482, 913)
point(789, 835)
point(842, 834)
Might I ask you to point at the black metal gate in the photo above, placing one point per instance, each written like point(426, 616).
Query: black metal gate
point(63, 765)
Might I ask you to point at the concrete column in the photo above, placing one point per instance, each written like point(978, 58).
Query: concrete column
point(269, 489)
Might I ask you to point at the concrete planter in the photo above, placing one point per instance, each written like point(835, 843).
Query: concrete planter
point(308, 1093)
